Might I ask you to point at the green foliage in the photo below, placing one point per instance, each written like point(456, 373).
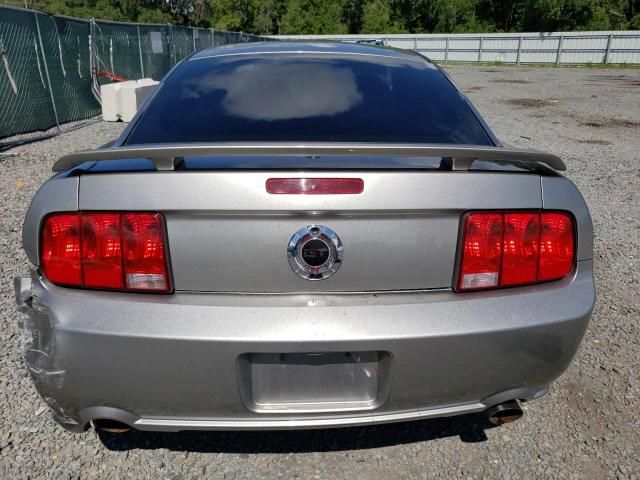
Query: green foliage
point(119, 10)
point(313, 16)
point(376, 17)
point(554, 15)
point(151, 15)
point(361, 16)
point(267, 16)
point(232, 14)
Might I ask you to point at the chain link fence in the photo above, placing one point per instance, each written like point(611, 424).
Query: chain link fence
point(51, 67)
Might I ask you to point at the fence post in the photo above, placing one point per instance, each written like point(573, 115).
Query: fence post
point(140, 51)
point(415, 44)
point(480, 51)
point(93, 63)
point(519, 50)
point(559, 52)
point(171, 46)
point(446, 50)
point(46, 71)
point(608, 52)
point(91, 41)
point(193, 36)
point(3, 58)
point(111, 55)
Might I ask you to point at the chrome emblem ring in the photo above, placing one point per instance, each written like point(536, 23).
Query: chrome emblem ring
point(315, 252)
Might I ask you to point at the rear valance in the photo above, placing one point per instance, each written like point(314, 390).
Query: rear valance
point(168, 156)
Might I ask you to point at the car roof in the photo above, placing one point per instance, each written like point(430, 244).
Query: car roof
point(314, 48)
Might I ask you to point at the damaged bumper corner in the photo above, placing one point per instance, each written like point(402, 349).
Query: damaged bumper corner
point(39, 350)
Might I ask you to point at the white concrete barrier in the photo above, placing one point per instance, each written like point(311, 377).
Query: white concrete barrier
point(121, 100)
point(109, 97)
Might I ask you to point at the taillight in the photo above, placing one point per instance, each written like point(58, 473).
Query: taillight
point(556, 246)
point(482, 252)
point(520, 247)
point(315, 186)
point(101, 250)
point(60, 249)
point(145, 267)
point(105, 250)
point(503, 249)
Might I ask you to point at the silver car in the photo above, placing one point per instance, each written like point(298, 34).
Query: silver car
point(301, 236)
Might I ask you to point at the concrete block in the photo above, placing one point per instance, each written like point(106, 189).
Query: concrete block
point(121, 100)
point(109, 96)
point(132, 95)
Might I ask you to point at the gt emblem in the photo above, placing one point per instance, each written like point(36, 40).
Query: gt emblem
point(314, 252)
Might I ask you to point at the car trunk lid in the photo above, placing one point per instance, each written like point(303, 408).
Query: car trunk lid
point(226, 233)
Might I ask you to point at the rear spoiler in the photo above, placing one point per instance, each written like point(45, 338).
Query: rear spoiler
point(169, 156)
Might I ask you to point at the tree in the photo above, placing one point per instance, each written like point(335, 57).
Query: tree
point(353, 15)
point(313, 17)
point(268, 16)
point(366, 16)
point(563, 15)
point(232, 15)
point(376, 18)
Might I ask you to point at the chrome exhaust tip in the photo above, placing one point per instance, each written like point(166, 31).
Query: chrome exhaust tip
point(505, 412)
point(110, 426)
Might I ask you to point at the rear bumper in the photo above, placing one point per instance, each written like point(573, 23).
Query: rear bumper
point(173, 362)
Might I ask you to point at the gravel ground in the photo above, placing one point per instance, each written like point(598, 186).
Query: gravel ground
point(586, 427)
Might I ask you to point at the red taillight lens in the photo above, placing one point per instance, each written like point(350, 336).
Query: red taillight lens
point(101, 250)
point(117, 251)
point(60, 249)
point(143, 249)
point(482, 254)
point(515, 248)
point(556, 246)
point(520, 248)
point(315, 186)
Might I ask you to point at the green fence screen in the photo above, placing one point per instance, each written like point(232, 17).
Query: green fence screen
point(51, 67)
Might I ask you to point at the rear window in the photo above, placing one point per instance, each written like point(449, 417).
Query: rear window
point(274, 97)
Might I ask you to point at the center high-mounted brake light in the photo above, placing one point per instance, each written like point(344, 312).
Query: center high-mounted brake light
point(105, 250)
point(504, 249)
point(315, 186)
